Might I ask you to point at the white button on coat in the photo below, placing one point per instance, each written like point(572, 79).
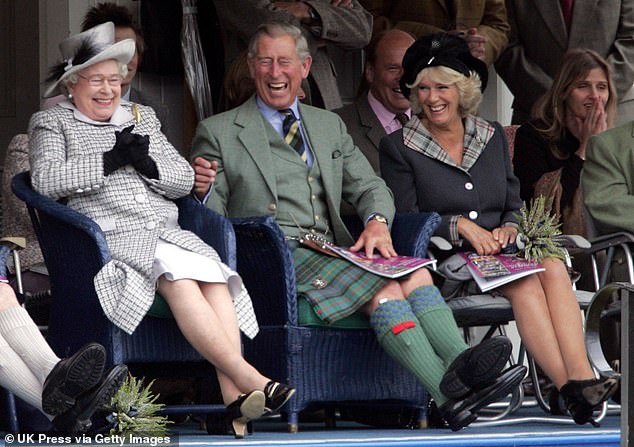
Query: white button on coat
point(473, 215)
point(468, 186)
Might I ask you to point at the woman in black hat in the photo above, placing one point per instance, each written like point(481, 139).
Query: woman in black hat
point(448, 160)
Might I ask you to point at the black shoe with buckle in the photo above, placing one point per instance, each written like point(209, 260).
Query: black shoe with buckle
point(460, 413)
point(72, 377)
point(277, 394)
point(476, 367)
point(77, 419)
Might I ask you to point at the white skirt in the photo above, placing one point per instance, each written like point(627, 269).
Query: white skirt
point(177, 263)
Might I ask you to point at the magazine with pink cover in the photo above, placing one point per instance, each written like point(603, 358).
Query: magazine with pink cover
point(393, 267)
point(491, 271)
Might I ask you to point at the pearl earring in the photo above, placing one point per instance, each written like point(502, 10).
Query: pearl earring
point(70, 96)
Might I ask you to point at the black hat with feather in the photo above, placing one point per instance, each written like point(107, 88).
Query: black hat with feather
point(440, 49)
point(85, 49)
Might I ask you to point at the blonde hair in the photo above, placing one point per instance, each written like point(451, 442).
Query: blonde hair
point(468, 87)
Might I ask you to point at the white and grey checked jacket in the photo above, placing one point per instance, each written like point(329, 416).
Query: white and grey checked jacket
point(66, 155)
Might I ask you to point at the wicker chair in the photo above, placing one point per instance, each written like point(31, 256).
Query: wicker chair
point(330, 367)
point(75, 249)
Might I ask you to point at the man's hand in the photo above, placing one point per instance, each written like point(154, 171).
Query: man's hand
point(482, 241)
point(300, 10)
point(204, 175)
point(375, 236)
point(476, 43)
point(341, 3)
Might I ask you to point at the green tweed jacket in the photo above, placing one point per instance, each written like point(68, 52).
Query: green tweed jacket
point(246, 186)
point(607, 179)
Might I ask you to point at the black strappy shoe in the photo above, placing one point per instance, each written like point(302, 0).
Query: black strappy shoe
point(277, 394)
point(245, 408)
point(582, 397)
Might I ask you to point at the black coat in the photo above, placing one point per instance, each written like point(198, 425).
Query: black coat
point(488, 193)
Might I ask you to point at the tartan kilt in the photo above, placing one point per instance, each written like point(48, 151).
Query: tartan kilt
point(334, 287)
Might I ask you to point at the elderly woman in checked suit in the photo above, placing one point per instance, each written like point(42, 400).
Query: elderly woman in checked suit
point(110, 161)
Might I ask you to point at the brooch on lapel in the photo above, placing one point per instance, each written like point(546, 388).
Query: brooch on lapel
point(136, 111)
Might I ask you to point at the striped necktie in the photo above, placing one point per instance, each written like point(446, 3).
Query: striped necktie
point(401, 118)
point(292, 135)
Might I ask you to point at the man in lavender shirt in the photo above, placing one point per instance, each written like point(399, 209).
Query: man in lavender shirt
point(380, 107)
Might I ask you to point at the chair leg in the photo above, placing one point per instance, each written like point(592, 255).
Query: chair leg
point(12, 412)
point(330, 417)
point(421, 419)
point(539, 395)
point(293, 422)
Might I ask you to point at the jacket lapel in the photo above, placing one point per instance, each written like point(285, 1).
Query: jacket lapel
point(369, 121)
point(583, 13)
point(442, 4)
point(253, 136)
point(554, 19)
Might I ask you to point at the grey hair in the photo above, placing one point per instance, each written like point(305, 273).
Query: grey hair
point(279, 29)
point(73, 78)
point(469, 92)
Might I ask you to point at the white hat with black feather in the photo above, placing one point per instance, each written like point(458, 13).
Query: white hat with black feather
point(85, 49)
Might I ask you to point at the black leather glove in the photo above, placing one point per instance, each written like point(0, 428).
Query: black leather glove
point(140, 158)
point(119, 155)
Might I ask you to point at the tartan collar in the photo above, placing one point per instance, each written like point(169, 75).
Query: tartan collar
point(477, 134)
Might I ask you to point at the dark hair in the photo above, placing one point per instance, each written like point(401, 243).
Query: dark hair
point(550, 110)
point(238, 86)
point(119, 15)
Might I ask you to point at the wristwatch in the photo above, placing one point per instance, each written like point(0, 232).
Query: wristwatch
point(379, 218)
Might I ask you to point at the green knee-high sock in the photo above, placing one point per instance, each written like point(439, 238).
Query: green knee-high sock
point(437, 321)
point(399, 333)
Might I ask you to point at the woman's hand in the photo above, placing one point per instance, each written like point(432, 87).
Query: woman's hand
point(595, 122)
point(505, 235)
point(483, 241)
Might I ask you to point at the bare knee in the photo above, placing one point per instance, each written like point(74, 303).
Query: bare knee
point(528, 288)
point(179, 293)
point(420, 277)
point(556, 272)
point(215, 290)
